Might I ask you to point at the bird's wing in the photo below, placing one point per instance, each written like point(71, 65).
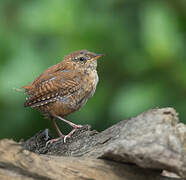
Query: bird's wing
point(47, 74)
point(47, 88)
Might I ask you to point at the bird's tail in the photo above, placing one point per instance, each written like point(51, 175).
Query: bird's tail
point(19, 90)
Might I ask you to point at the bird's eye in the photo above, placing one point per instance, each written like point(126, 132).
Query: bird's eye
point(81, 58)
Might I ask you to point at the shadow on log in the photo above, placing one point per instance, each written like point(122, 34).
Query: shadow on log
point(138, 148)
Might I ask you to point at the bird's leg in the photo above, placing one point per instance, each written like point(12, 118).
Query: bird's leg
point(56, 127)
point(58, 131)
point(75, 126)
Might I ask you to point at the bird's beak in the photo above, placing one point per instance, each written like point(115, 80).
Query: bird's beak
point(97, 56)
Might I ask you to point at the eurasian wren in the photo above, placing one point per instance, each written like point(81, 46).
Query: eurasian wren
point(64, 87)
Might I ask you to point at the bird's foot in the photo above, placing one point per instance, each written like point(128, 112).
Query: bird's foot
point(54, 140)
point(65, 137)
point(69, 135)
point(73, 130)
point(75, 126)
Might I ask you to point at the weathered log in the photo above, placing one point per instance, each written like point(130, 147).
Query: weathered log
point(19, 164)
point(137, 148)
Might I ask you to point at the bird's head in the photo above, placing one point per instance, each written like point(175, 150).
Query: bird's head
point(83, 59)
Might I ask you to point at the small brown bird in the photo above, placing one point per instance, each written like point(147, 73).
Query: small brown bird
point(64, 88)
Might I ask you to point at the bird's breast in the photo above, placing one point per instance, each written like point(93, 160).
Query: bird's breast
point(87, 89)
point(90, 82)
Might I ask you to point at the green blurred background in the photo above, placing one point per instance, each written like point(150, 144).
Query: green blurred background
point(144, 66)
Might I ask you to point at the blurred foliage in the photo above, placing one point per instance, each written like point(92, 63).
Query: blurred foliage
point(144, 67)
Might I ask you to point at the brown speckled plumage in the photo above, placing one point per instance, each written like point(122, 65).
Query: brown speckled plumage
point(64, 87)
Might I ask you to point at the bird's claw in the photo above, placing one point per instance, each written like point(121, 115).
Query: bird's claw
point(54, 140)
point(67, 136)
point(64, 137)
